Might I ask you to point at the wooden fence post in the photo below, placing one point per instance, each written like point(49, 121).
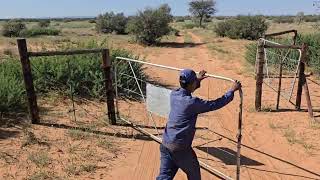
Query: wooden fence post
point(106, 65)
point(28, 81)
point(279, 85)
point(301, 76)
point(303, 84)
point(308, 99)
point(259, 74)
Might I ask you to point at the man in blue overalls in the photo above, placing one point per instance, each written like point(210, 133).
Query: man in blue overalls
point(176, 151)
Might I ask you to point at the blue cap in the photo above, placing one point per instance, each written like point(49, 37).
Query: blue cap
point(187, 76)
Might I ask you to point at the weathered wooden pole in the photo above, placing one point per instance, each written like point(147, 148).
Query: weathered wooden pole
point(308, 99)
point(301, 75)
point(239, 135)
point(303, 84)
point(280, 83)
point(28, 81)
point(259, 74)
point(106, 66)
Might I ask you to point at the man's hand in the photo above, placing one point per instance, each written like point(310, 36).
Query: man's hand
point(202, 75)
point(236, 86)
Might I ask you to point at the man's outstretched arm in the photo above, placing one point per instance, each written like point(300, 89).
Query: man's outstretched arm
point(202, 106)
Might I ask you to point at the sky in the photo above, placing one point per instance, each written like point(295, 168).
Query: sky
point(68, 8)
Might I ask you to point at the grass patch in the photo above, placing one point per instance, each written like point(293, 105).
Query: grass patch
point(315, 125)
point(105, 143)
point(43, 175)
point(78, 134)
point(188, 38)
point(31, 139)
point(74, 169)
point(88, 167)
point(266, 109)
point(89, 153)
point(41, 159)
point(217, 49)
point(290, 134)
point(273, 126)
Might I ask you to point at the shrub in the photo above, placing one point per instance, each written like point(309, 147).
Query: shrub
point(284, 19)
point(110, 22)
point(39, 32)
point(92, 21)
point(57, 74)
point(174, 31)
point(179, 19)
point(190, 25)
point(12, 92)
point(44, 23)
point(151, 24)
point(313, 40)
point(243, 27)
point(312, 18)
point(12, 28)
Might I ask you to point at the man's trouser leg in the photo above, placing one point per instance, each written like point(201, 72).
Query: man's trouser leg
point(168, 168)
point(187, 160)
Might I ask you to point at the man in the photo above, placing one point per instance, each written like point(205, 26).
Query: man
point(176, 151)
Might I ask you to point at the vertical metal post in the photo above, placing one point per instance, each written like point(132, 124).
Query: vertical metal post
point(106, 65)
point(28, 81)
point(259, 74)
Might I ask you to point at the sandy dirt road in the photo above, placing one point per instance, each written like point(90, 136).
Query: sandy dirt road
point(267, 155)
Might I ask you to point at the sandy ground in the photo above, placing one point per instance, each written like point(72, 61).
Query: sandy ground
point(275, 142)
point(276, 145)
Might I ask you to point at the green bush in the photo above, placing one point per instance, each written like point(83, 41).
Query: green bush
point(92, 21)
point(39, 32)
point(12, 28)
point(174, 31)
point(313, 41)
point(190, 25)
point(179, 19)
point(12, 92)
point(110, 22)
point(151, 24)
point(311, 18)
point(284, 19)
point(44, 23)
point(243, 27)
point(80, 74)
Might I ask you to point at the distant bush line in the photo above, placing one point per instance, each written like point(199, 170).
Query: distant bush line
point(17, 28)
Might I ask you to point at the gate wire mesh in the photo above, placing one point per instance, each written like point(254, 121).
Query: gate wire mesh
point(210, 143)
point(289, 59)
point(70, 90)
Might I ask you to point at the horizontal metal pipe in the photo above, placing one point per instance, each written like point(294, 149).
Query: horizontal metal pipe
point(173, 68)
point(283, 46)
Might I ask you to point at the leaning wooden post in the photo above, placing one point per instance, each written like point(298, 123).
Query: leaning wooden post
point(308, 99)
point(28, 81)
point(106, 65)
point(279, 85)
point(305, 83)
point(259, 74)
point(301, 75)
